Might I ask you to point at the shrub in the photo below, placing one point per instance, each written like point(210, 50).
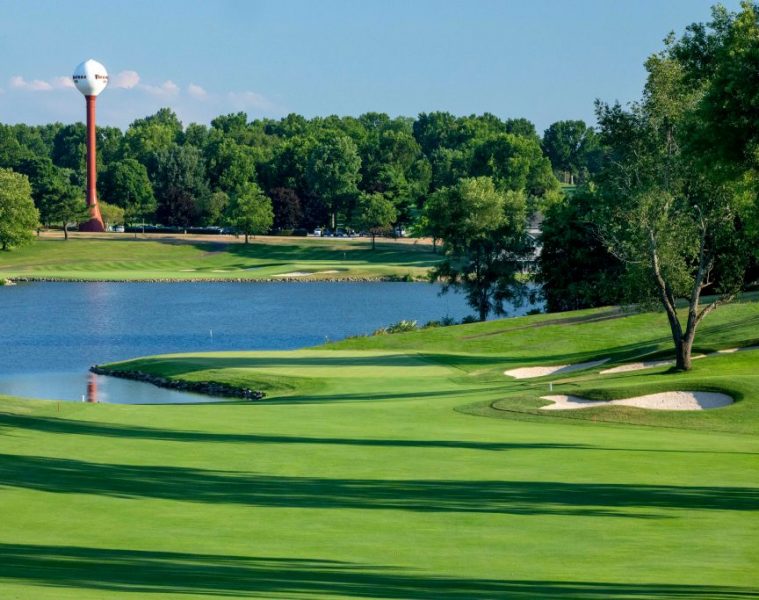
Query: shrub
point(399, 327)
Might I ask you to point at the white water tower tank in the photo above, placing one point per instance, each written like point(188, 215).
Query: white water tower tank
point(90, 77)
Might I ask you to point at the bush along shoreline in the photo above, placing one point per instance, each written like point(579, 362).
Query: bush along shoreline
point(208, 388)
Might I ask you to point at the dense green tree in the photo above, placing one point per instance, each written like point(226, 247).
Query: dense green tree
point(573, 149)
point(234, 127)
point(125, 183)
point(11, 150)
point(70, 149)
point(515, 163)
point(332, 173)
point(179, 184)
point(230, 165)
point(393, 164)
point(374, 213)
point(38, 141)
point(56, 196)
point(522, 127)
point(286, 205)
point(250, 211)
point(66, 204)
point(484, 242)
point(111, 213)
point(212, 207)
point(197, 135)
point(575, 269)
point(437, 130)
point(153, 134)
point(18, 215)
point(721, 58)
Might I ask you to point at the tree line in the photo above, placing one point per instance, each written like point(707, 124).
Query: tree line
point(367, 171)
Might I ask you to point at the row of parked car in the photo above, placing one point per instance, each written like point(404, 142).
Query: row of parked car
point(319, 232)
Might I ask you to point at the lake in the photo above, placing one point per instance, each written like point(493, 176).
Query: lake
point(50, 333)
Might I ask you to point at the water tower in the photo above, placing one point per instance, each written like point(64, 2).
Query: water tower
point(90, 78)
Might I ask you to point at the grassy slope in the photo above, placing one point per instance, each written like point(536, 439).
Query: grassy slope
point(122, 257)
point(359, 478)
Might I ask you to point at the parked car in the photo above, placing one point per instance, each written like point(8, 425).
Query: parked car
point(318, 232)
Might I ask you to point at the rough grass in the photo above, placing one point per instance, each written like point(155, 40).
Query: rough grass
point(360, 476)
point(121, 257)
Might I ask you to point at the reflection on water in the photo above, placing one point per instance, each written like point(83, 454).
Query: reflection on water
point(88, 387)
point(92, 388)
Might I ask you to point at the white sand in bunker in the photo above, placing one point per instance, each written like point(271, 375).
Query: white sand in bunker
point(650, 364)
point(637, 366)
point(661, 401)
point(528, 372)
point(733, 350)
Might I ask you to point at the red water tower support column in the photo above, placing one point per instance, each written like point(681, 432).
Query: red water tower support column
point(96, 220)
point(91, 78)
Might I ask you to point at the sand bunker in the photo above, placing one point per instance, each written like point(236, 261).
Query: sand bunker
point(732, 350)
point(650, 364)
point(528, 372)
point(637, 366)
point(661, 401)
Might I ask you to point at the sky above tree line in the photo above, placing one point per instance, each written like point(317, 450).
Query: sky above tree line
point(545, 60)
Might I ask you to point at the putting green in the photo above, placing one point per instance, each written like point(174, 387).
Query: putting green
point(370, 471)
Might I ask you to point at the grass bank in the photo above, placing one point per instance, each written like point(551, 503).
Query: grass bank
point(121, 257)
point(373, 469)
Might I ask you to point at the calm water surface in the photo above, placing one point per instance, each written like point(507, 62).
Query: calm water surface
point(50, 333)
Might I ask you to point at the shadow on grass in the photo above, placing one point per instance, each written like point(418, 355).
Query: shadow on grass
point(151, 572)
point(296, 250)
point(68, 426)
point(463, 496)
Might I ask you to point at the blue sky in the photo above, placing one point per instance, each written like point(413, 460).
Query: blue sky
point(542, 59)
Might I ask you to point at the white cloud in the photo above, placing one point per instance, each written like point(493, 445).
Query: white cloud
point(125, 80)
point(62, 83)
point(167, 88)
point(254, 100)
point(196, 91)
point(35, 85)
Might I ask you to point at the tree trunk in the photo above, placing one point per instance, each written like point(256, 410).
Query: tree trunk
point(434, 245)
point(683, 354)
point(246, 237)
point(65, 231)
point(684, 339)
point(373, 241)
point(483, 310)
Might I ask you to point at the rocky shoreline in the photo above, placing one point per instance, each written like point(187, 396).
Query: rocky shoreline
point(392, 279)
point(209, 388)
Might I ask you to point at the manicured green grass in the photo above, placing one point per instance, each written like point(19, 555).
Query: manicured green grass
point(366, 473)
point(121, 257)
